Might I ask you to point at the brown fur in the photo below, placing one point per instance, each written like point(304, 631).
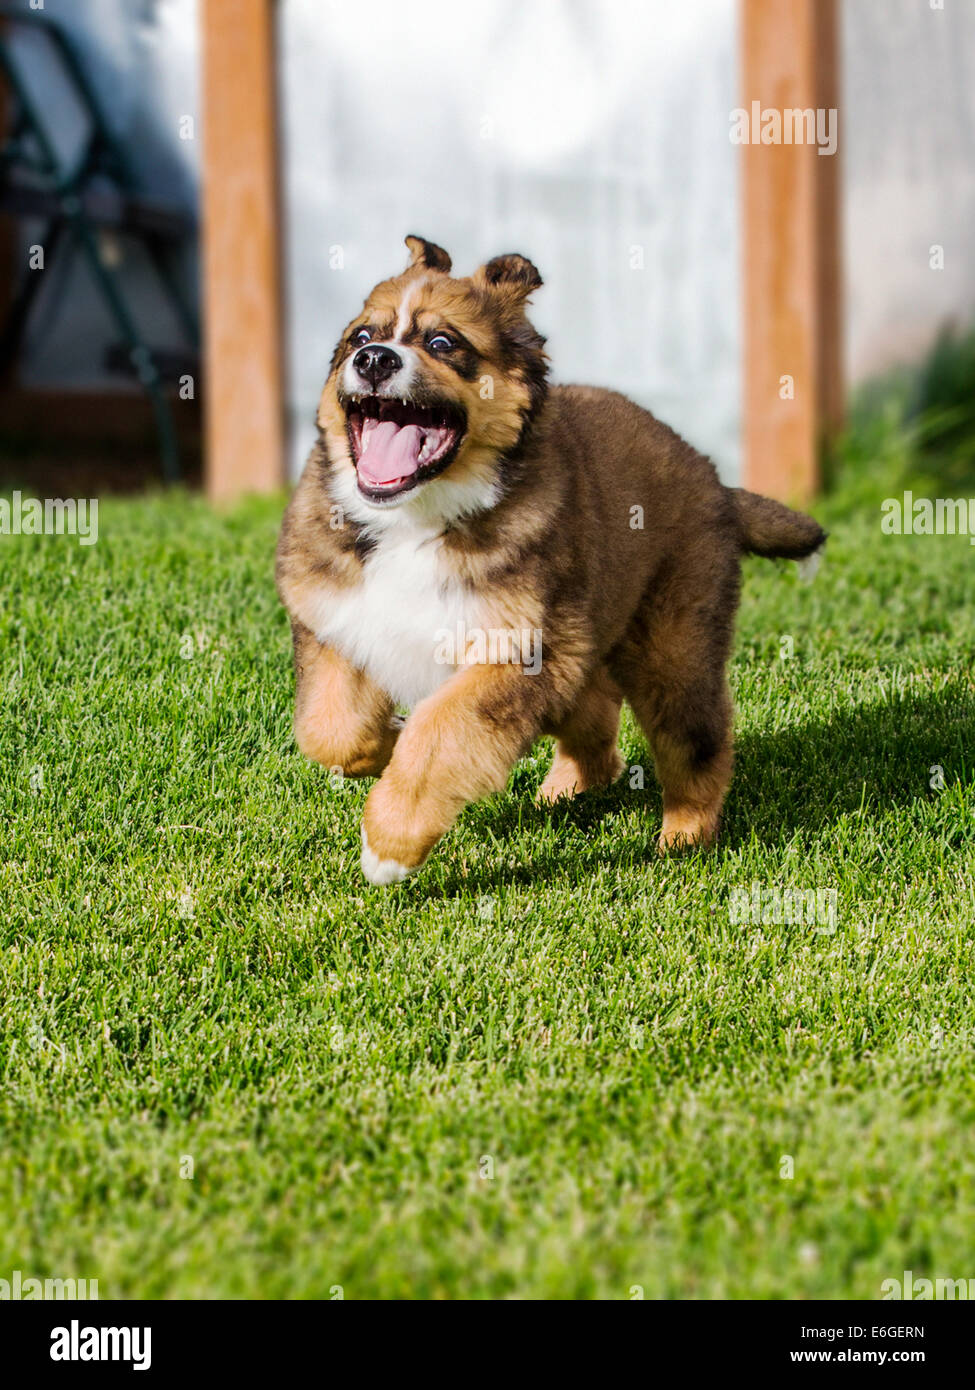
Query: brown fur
point(342, 719)
point(627, 611)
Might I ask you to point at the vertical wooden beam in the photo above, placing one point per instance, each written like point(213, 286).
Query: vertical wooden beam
point(243, 398)
point(791, 245)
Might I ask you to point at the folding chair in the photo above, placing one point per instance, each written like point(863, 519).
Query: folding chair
point(98, 190)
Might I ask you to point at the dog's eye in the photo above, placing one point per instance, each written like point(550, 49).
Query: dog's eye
point(440, 342)
point(360, 336)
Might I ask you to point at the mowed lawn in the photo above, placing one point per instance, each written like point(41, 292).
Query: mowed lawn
point(551, 1065)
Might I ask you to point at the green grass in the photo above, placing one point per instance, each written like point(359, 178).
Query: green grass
point(191, 966)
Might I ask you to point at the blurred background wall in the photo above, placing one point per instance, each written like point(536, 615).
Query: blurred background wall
point(563, 131)
point(591, 135)
point(908, 146)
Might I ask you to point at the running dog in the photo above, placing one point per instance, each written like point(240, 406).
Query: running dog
point(505, 559)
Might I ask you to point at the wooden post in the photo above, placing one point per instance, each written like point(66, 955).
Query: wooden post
point(791, 245)
point(243, 397)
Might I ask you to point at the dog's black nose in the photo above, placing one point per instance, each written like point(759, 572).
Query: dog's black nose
point(376, 363)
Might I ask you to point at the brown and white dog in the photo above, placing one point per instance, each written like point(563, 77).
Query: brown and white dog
point(506, 559)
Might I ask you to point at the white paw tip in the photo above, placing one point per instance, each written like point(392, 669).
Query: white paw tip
point(808, 567)
point(381, 872)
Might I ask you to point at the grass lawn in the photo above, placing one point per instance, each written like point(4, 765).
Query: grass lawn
point(551, 1065)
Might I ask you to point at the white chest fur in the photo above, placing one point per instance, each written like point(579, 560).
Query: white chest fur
point(392, 624)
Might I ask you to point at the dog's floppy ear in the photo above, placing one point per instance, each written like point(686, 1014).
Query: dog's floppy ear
point(512, 274)
point(427, 253)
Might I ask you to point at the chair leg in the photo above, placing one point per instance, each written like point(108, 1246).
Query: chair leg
point(140, 354)
point(18, 314)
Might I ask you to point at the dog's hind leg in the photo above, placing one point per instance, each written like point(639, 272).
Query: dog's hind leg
point(671, 668)
point(586, 754)
point(692, 753)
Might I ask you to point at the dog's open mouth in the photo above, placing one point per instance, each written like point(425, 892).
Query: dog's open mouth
point(398, 444)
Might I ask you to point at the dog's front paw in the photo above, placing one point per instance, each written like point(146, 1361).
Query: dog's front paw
point(382, 872)
point(395, 838)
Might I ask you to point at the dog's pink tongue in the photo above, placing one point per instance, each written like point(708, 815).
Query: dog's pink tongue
point(390, 452)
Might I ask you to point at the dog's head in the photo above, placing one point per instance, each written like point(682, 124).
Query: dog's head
point(434, 384)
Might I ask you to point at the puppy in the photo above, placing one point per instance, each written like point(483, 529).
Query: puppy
point(506, 559)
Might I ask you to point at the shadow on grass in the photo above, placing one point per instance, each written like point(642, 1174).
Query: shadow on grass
point(802, 778)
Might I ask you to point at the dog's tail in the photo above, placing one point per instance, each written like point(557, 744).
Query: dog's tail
point(771, 529)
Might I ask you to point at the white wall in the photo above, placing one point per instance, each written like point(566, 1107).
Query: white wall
point(571, 133)
point(908, 145)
